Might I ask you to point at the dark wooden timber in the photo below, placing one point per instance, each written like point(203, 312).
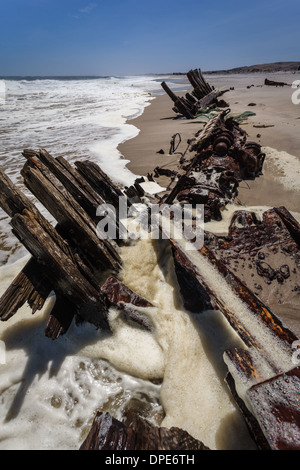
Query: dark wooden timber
point(276, 405)
point(290, 222)
point(181, 105)
point(60, 318)
point(73, 239)
point(120, 296)
point(29, 285)
point(135, 433)
point(203, 96)
point(72, 219)
point(69, 282)
point(255, 306)
point(275, 83)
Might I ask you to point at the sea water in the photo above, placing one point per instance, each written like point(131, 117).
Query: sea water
point(77, 118)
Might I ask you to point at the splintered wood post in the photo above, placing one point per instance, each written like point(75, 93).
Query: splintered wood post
point(207, 85)
point(183, 107)
point(69, 179)
point(30, 285)
point(199, 90)
point(169, 92)
point(100, 182)
point(72, 219)
point(69, 283)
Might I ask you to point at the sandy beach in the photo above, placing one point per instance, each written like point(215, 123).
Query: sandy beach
point(275, 125)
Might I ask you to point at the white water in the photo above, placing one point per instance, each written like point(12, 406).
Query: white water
point(50, 391)
point(79, 119)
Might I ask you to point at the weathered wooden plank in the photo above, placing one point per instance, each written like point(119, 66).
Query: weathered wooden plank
point(60, 318)
point(100, 182)
point(81, 182)
point(31, 284)
point(13, 201)
point(135, 433)
point(290, 222)
point(69, 214)
point(207, 99)
point(120, 296)
point(68, 281)
point(183, 107)
point(275, 404)
point(199, 89)
point(17, 293)
point(254, 428)
point(243, 363)
point(256, 308)
point(70, 183)
point(255, 305)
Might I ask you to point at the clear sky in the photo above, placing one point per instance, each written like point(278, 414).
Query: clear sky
point(120, 37)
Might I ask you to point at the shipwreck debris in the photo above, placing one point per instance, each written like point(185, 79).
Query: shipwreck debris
point(135, 433)
point(82, 269)
point(69, 259)
point(275, 83)
point(217, 160)
point(202, 97)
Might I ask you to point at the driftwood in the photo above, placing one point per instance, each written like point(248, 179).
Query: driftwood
point(136, 433)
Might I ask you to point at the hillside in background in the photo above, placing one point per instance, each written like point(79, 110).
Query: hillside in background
point(272, 67)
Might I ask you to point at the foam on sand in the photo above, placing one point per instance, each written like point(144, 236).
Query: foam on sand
point(288, 167)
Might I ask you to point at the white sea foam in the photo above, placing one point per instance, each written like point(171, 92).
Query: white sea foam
point(51, 390)
point(288, 167)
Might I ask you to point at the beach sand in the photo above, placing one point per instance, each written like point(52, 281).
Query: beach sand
point(275, 125)
point(273, 107)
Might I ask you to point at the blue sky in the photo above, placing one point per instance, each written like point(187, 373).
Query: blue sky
point(120, 37)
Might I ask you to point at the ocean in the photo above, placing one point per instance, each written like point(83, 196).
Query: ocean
point(79, 118)
point(174, 375)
